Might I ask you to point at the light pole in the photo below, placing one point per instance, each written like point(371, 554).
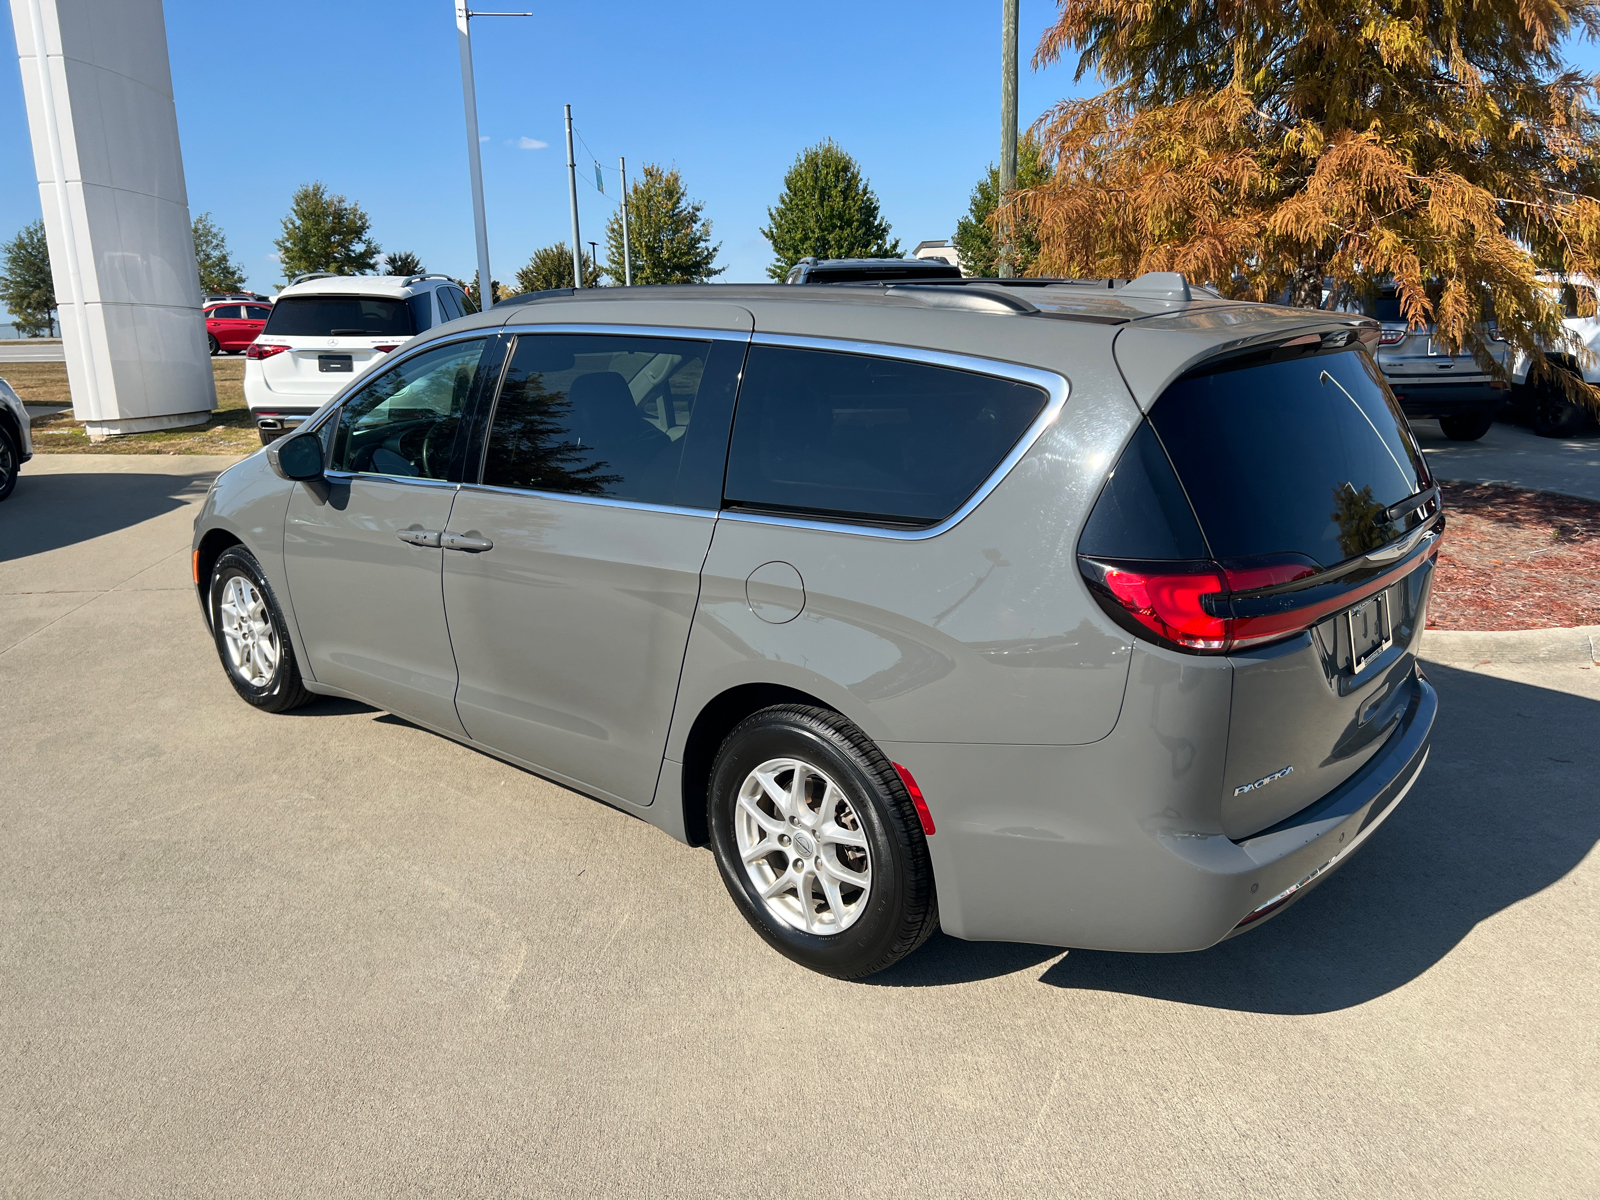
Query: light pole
point(594, 253)
point(469, 98)
point(572, 196)
point(627, 254)
point(1008, 128)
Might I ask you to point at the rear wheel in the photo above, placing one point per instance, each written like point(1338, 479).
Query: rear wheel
point(10, 462)
point(1467, 428)
point(1555, 416)
point(252, 639)
point(216, 346)
point(818, 843)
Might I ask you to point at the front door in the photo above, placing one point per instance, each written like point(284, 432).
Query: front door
point(362, 551)
point(576, 565)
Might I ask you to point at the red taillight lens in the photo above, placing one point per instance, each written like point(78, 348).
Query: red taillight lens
point(1169, 605)
point(384, 349)
point(257, 350)
point(1392, 337)
point(917, 802)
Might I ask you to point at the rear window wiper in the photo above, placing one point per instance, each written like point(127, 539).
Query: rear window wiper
point(351, 333)
point(1410, 504)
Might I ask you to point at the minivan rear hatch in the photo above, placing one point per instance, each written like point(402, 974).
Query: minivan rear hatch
point(1275, 507)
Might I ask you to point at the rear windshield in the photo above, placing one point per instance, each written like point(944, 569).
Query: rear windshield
point(340, 316)
point(1292, 456)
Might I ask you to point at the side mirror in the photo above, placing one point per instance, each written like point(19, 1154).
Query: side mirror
point(297, 457)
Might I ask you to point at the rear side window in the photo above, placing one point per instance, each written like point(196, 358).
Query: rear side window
point(257, 312)
point(450, 303)
point(611, 416)
point(421, 311)
point(1296, 455)
point(862, 438)
point(224, 312)
point(340, 316)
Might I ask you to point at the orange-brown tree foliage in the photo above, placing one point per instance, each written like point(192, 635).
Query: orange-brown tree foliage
point(1263, 146)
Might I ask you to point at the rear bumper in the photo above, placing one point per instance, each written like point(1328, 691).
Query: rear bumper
point(280, 419)
point(1430, 400)
point(1108, 847)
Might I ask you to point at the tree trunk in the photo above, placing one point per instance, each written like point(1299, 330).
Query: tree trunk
point(1305, 285)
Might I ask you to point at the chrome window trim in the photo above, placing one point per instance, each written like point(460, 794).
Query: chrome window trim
point(708, 514)
point(347, 476)
point(1056, 387)
point(672, 331)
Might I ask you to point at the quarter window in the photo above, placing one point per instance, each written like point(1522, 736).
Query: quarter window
point(257, 312)
point(224, 312)
point(450, 303)
point(404, 422)
point(864, 438)
point(601, 415)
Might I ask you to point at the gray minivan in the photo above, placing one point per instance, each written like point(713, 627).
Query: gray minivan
point(1073, 614)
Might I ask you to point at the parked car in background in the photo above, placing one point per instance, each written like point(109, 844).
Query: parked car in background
point(1428, 380)
point(16, 439)
point(870, 270)
point(1015, 609)
point(231, 326)
point(1544, 403)
point(324, 330)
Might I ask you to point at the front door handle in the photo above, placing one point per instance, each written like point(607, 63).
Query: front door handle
point(465, 541)
point(419, 537)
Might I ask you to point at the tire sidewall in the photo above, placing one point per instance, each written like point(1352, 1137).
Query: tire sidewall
point(853, 950)
point(233, 563)
point(10, 462)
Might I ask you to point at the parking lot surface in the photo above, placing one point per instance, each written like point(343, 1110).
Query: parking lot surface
point(331, 953)
point(1516, 456)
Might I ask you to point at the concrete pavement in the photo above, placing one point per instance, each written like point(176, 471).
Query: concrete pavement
point(1514, 455)
point(330, 953)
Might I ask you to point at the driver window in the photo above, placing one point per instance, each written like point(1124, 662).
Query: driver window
point(404, 422)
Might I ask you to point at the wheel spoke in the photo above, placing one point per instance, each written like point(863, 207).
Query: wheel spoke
point(776, 794)
point(783, 883)
point(830, 889)
point(842, 873)
point(836, 834)
point(770, 824)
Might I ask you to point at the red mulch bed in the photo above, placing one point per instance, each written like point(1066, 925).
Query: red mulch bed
point(1515, 559)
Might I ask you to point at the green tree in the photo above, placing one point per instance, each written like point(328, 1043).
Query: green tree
point(326, 232)
point(218, 271)
point(403, 262)
point(976, 240)
point(474, 300)
point(669, 236)
point(1265, 148)
point(551, 267)
point(26, 288)
point(827, 210)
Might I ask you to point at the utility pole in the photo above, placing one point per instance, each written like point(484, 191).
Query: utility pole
point(572, 194)
point(594, 253)
point(1008, 128)
point(627, 253)
point(469, 98)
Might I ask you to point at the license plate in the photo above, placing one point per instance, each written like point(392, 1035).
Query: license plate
point(1371, 631)
point(334, 362)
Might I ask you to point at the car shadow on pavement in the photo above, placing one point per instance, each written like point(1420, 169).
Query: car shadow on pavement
point(47, 512)
point(1506, 807)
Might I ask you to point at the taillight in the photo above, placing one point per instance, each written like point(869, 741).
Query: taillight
point(257, 350)
point(1392, 337)
point(1171, 603)
point(385, 349)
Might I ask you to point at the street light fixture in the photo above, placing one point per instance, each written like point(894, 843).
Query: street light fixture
point(469, 98)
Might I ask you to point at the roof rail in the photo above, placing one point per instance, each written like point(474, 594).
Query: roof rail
point(313, 275)
point(971, 299)
point(410, 279)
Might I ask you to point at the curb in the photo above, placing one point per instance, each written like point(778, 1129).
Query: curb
point(1469, 648)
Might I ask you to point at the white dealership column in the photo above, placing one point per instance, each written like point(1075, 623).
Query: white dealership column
point(116, 212)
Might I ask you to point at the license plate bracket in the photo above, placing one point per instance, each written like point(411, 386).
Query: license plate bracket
point(335, 362)
point(1370, 628)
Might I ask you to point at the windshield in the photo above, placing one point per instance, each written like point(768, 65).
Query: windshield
point(1292, 456)
point(339, 316)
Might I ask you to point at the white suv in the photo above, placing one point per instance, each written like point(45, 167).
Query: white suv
point(326, 329)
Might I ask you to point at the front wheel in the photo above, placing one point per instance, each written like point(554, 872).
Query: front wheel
point(818, 842)
point(216, 346)
point(252, 639)
point(1467, 428)
point(10, 463)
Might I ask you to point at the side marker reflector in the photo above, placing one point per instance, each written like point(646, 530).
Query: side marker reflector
point(917, 801)
point(195, 564)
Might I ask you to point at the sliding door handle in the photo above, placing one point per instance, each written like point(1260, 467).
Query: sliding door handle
point(469, 542)
point(419, 537)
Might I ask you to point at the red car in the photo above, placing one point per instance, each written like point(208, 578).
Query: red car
point(231, 326)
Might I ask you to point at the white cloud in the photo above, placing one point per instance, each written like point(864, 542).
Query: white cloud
point(528, 143)
point(274, 257)
point(483, 137)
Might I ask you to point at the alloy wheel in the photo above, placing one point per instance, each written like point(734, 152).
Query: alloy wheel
point(802, 846)
point(248, 632)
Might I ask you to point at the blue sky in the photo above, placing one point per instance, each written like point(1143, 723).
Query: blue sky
point(366, 96)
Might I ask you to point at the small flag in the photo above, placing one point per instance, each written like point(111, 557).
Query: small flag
point(599, 180)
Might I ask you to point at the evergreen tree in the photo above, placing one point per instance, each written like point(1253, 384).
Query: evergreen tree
point(325, 232)
point(827, 210)
point(218, 271)
point(670, 239)
point(1266, 148)
point(403, 262)
point(551, 267)
point(26, 288)
point(976, 241)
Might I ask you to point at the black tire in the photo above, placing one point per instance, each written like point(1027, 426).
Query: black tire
point(901, 910)
point(10, 462)
point(1466, 428)
point(216, 346)
point(282, 688)
point(1554, 416)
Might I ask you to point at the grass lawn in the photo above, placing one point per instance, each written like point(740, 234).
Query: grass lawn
point(231, 430)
